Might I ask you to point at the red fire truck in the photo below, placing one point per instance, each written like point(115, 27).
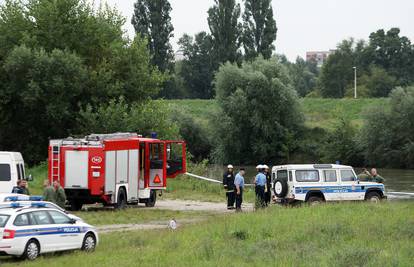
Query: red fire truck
point(114, 169)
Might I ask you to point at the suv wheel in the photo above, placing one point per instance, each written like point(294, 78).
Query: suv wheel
point(89, 243)
point(121, 200)
point(373, 197)
point(280, 188)
point(315, 200)
point(32, 250)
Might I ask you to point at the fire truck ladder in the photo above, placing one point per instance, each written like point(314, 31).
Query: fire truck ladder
point(56, 162)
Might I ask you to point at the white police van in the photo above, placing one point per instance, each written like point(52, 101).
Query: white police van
point(28, 231)
point(322, 182)
point(11, 170)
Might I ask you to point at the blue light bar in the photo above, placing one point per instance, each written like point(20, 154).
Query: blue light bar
point(38, 204)
point(15, 205)
point(35, 198)
point(13, 198)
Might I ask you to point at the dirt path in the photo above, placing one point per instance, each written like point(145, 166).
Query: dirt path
point(177, 205)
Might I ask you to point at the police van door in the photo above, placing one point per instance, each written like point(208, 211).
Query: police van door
point(156, 165)
point(350, 189)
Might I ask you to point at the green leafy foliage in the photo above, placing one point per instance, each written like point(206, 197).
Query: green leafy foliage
point(198, 66)
point(259, 29)
point(260, 114)
point(57, 57)
point(225, 30)
point(119, 116)
point(387, 135)
point(151, 19)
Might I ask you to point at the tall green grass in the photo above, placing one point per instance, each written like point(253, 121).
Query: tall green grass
point(353, 234)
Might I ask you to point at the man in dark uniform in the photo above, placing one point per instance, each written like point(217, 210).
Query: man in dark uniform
point(228, 183)
point(268, 187)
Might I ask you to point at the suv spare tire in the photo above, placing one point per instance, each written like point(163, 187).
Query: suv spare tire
point(280, 187)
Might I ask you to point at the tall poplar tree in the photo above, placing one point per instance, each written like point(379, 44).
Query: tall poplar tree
point(152, 20)
point(259, 28)
point(223, 21)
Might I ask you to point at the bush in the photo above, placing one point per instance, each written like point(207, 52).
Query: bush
point(388, 134)
point(260, 117)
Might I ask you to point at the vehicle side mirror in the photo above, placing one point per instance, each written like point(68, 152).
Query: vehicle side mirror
point(72, 221)
point(30, 178)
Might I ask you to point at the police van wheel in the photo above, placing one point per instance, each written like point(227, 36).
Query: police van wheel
point(152, 199)
point(373, 197)
point(314, 201)
point(121, 200)
point(32, 250)
point(89, 243)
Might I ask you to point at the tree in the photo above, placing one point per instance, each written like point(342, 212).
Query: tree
point(223, 21)
point(394, 53)
point(338, 72)
point(151, 19)
point(198, 65)
point(260, 116)
point(56, 57)
point(387, 135)
point(379, 82)
point(259, 29)
point(40, 93)
point(303, 77)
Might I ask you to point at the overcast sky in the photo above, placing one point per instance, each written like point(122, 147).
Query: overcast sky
point(303, 25)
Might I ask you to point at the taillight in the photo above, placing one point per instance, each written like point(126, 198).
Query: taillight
point(8, 234)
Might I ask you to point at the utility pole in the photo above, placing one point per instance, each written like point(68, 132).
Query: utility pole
point(355, 82)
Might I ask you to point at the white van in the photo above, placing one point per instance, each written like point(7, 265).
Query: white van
point(11, 170)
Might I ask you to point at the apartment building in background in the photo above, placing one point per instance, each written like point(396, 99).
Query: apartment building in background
point(319, 57)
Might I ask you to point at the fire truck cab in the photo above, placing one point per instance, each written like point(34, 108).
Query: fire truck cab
point(114, 169)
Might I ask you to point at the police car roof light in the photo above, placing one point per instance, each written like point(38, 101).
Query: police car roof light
point(15, 205)
point(13, 198)
point(38, 204)
point(35, 198)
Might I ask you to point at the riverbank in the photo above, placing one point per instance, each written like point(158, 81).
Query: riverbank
point(346, 234)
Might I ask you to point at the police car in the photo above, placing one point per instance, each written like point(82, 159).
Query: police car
point(28, 231)
point(322, 182)
point(26, 200)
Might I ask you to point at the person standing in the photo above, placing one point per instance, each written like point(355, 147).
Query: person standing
point(48, 192)
point(228, 183)
point(60, 195)
point(375, 177)
point(239, 187)
point(24, 188)
point(260, 182)
point(268, 188)
point(16, 189)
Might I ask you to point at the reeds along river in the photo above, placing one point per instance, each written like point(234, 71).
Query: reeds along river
point(398, 182)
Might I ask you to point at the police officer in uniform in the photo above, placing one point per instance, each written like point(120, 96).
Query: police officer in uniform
point(260, 182)
point(268, 186)
point(239, 184)
point(228, 183)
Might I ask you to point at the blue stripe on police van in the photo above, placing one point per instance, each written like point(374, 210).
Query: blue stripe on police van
point(50, 231)
point(337, 188)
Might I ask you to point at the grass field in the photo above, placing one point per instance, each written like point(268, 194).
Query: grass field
point(319, 112)
point(353, 234)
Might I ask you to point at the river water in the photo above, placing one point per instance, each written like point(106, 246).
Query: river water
point(398, 183)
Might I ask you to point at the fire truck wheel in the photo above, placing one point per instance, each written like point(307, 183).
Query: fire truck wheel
point(121, 200)
point(152, 199)
point(75, 206)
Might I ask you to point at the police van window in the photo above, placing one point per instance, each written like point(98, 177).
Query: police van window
point(3, 220)
point(330, 175)
point(290, 176)
point(347, 176)
point(22, 171)
point(22, 220)
point(307, 176)
point(59, 218)
point(5, 174)
point(19, 172)
point(282, 174)
point(42, 217)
